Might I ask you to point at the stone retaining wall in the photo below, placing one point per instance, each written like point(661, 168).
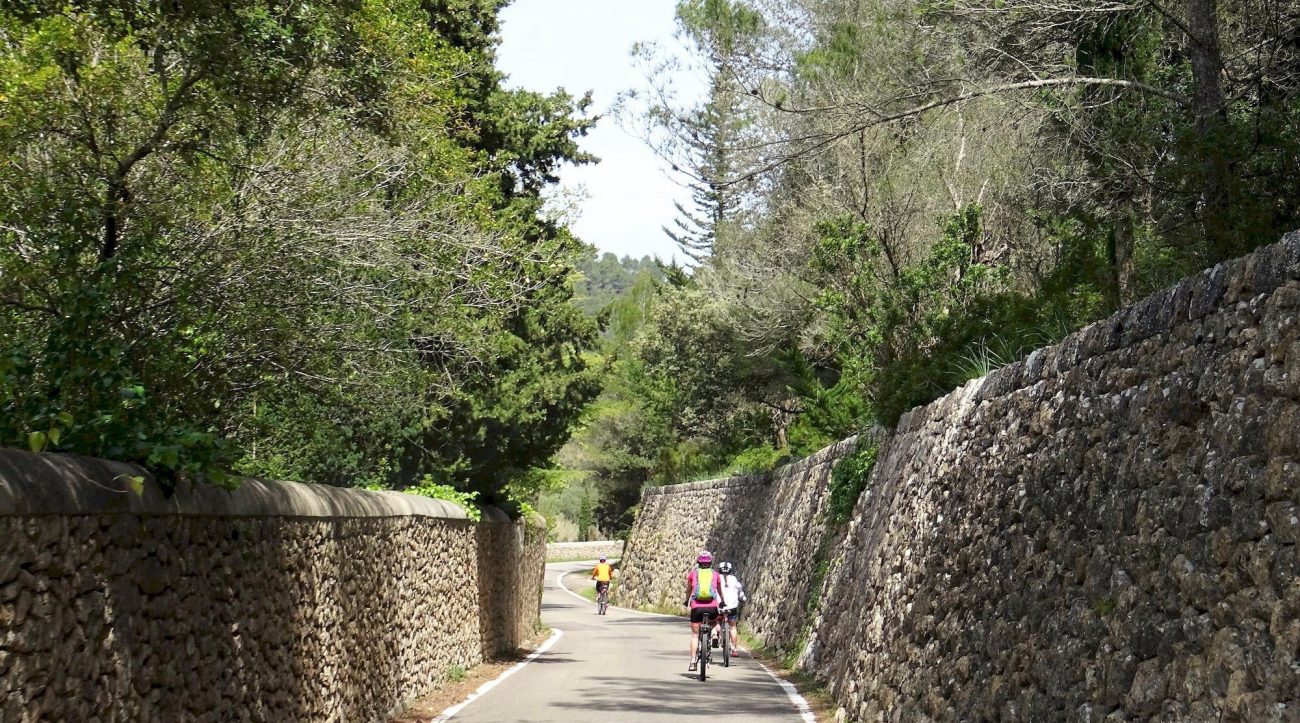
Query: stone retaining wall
point(279, 601)
point(769, 525)
point(512, 564)
point(612, 549)
point(1106, 530)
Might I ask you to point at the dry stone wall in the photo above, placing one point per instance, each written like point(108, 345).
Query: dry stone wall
point(277, 602)
point(591, 550)
point(512, 563)
point(1106, 530)
point(769, 525)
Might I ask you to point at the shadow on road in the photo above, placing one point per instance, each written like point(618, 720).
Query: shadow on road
point(639, 620)
point(557, 606)
point(550, 660)
point(684, 692)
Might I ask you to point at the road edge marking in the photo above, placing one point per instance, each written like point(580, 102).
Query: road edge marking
point(559, 581)
point(453, 710)
point(791, 692)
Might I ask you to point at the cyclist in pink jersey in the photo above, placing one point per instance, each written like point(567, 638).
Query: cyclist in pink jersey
point(701, 596)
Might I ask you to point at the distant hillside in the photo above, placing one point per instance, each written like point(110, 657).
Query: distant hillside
point(605, 277)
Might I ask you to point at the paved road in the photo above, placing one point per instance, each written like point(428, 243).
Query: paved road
point(624, 666)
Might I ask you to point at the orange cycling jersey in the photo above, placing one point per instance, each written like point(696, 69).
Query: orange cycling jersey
point(601, 573)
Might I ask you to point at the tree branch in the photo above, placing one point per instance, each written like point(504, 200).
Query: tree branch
point(959, 98)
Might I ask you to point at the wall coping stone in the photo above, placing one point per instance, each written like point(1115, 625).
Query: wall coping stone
point(64, 484)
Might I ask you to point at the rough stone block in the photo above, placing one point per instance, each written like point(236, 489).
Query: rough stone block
point(1207, 291)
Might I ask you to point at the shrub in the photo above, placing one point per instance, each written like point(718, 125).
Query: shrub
point(763, 458)
point(428, 488)
point(847, 482)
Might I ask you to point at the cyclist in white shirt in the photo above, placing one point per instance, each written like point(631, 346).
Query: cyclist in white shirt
point(732, 593)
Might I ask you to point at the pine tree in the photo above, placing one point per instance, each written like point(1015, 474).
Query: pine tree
point(709, 139)
point(709, 142)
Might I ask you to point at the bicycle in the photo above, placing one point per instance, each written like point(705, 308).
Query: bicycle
point(724, 632)
point(704, 652)
point(602, 598)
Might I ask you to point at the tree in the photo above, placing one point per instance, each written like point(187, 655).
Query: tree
point(585, 519)
point(700, 141)
point(711, 132)
point(933, 189)
point(300, 240)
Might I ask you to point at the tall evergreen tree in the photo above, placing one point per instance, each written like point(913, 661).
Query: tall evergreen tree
point(703, 143)
point(709, 140)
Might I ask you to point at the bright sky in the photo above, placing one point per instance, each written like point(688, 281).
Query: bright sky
point(582, 45)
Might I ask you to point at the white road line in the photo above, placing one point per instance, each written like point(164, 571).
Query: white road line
point(447, 714)
point(791, 692)
point(800, 703)
point(559, 580)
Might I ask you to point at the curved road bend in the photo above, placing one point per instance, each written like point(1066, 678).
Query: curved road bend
point(624, 666)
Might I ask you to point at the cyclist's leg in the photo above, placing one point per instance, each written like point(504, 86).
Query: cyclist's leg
point(696, 618)
point(713, 622)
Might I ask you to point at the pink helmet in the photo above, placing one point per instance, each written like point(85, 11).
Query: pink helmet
point(705, 557)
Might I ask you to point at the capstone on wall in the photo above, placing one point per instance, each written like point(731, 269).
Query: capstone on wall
point(276, 602)
point(1106, 530)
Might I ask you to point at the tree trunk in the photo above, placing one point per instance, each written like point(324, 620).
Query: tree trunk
point(1211, 120)
point(1121, 254)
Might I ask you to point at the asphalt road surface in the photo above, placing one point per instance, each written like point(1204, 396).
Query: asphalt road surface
point(624, 666)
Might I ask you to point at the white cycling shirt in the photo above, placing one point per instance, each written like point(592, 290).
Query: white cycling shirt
point(730, 590)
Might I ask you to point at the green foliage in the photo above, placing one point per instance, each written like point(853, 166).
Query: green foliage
point(831, 407)
point(763, 458)
point(455, 673)
point(667, 361)
point(293, 240)
point(947, 318)
point(848, 479)
point(917, 215)
point(1103, 606)
point(606, 278)
point(586, 518)
point(431, 489)
point(838, 54)
point(725, 25)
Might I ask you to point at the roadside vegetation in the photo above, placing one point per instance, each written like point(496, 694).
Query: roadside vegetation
point(819, 698)
point(893, 197)
point(309, 240)
point(301, 240)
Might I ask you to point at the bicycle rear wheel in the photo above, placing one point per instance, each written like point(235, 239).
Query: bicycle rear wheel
point(725, 634)
point(703, 650)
